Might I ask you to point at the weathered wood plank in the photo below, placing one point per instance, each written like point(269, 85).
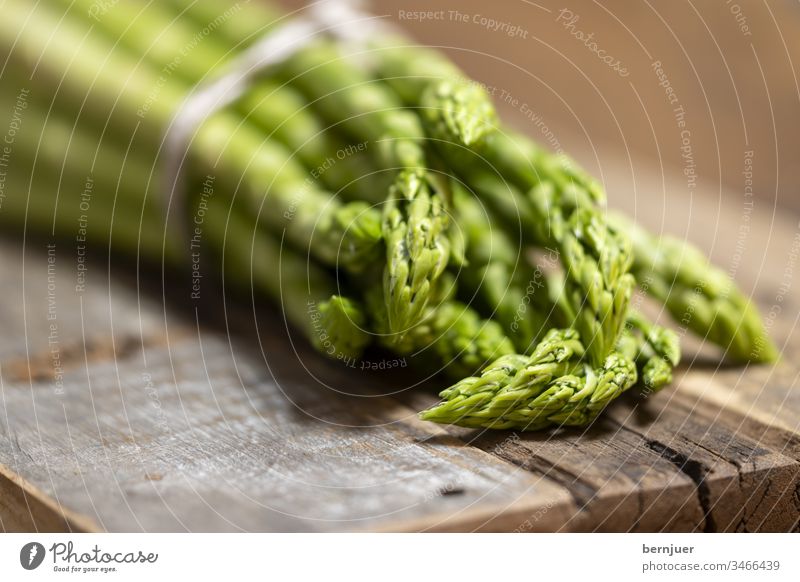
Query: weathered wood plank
point(741, 484)
point(661, 464)
point(25, 508)
point(617, 482)
point(132, 449)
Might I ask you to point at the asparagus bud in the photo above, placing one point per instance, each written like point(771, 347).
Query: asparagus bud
point(550, 388)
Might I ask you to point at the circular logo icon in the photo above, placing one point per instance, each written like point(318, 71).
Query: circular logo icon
point(31, 555)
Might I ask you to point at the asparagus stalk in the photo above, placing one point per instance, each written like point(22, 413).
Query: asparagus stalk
point(550, 388)
point(284, 199)
point(104, 88)
point(283, 114)
point(346, 169)
point(455, 110)
point(236, 24)
point(152, 32)
point(493, 270)
point(524, 163)
point(193, 55)
point(62, 183)
point(654, 349)
point(415, 220)
point(459, 114)
point(595, 257)
point(459, 107)
point(463, 342)
point(307, 294)
point(698, 295)
point(56, 207)
point(451, 336)
point(417, 250)
point(348, 234)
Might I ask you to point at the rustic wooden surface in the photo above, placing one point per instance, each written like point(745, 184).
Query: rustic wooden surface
point(172, 422)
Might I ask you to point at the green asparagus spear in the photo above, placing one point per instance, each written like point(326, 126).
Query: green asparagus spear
point(454, 109)
point(463, 342)
point(417, 249)
point(596, 257)
point(451, 336)
point(240, 23)
point(151, 30)
point(654, 349)
point(306, 293)
point(279, 192)
point(346, 169)
point(698, 295)
point(521, 161)
point(62, 182)
point(279, 110)
point(105, 88)
point(459, 114)
point(493, 272)
point(415, 220)
point(549, 388)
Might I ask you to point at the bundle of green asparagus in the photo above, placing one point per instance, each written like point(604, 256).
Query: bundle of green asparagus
point(367, 187)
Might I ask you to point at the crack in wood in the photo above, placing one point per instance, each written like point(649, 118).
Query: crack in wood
point(696, 471)
point(741, 525)
point(764, 497)
point(640, 509)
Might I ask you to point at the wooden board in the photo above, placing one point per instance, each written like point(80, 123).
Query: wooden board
point(167, 419)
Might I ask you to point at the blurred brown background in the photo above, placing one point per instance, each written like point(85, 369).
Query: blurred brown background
point(730, 65)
